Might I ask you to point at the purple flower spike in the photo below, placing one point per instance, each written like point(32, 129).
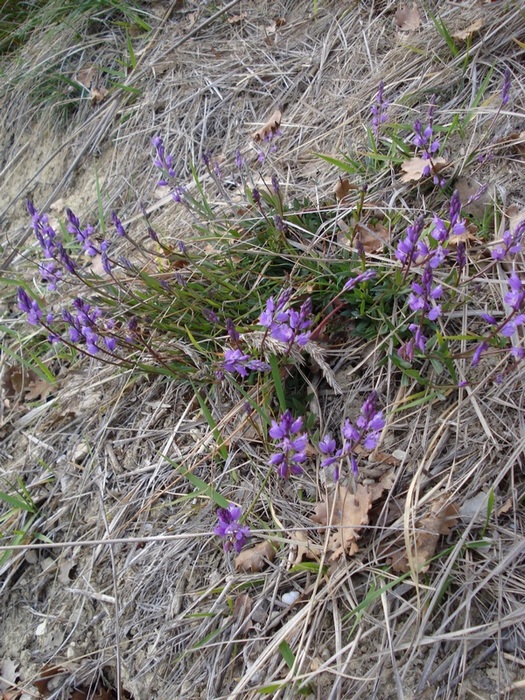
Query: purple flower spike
point(29, 306)
point(236, 362)
point(363, 277)
point(285, 324)
point(379, 109)
point(230, 529)
point(291, 445)
point(366, 432)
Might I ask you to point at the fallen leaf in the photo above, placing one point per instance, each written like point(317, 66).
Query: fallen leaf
point(372, 236)
point(255, 558)
point(343, 188)
point(235, 19)
point(516, 217)
point(38, 388)
point(45, 680)
point(274, 26)
point(346, 513)
point(26, 383)
point(439, 521)
point(302, 548)
point(509, 503)
point(87, 76)
point(9, 672)
point(414, 167)
point(242, 606)
point(266, 132)
point(408, 18)
point(97, 95)
point(466, 33)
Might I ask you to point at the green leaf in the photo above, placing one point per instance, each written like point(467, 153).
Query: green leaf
point(17, 502)
point(287, 654)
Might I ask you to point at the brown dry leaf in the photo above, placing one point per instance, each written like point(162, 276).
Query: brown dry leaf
point(274, 26)
point(38, 389)
point(407, 18)
point(383, 458)
point(346, 512)
point(516, 216)
point(302, 548)
point(469, 236)
point(235, 19)
point(11, 694)
point(269, 129)
point(414, 167)
point(255, 558)
point(466, 33)
point(505, 507)
point(343, 188)
point(87, 76)
point(439, 521)
point(18, 380)
point(97, 95)
point(372, 236)
point(47, 674)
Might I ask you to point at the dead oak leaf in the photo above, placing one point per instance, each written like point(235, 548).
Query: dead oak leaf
point(302, 548)
point(255, 558)
point(372, 236)
point(268, 130)
point(343, 188)
point(415, 167)
point(346, 513)
point(235, 19)
point(467, 33)
point(407, 18)
point(439, 520)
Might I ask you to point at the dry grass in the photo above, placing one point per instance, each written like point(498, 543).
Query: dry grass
point(133, 587)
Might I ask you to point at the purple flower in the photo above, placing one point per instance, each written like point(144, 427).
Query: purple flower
point(285, 324)
point(511, 242)
point(29, 306)
point(478, 353)
point(239, 160)
point(363, 277)
point(230, 529)
point(117, 223)
point(366, 432)
point(378, 110)
point(162, 161)
point(210, 315)
point(407, 251)
point(291, 445)
point(236, 362)
point(424, 138)
point(516, 296)
point(423, 294)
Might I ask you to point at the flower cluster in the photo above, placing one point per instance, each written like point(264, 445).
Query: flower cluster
point(366, 433)
point(236, 362)
point(29, 306)
point(285, 324)
point(421, 300)
point(86, 326)
point(362, 277)
point(291, 445)
point(164, 163)
point(378, 110)
point(515, 298)
point(230, 529)
point(511, 242)
point(408, 249)
point(424, 137)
